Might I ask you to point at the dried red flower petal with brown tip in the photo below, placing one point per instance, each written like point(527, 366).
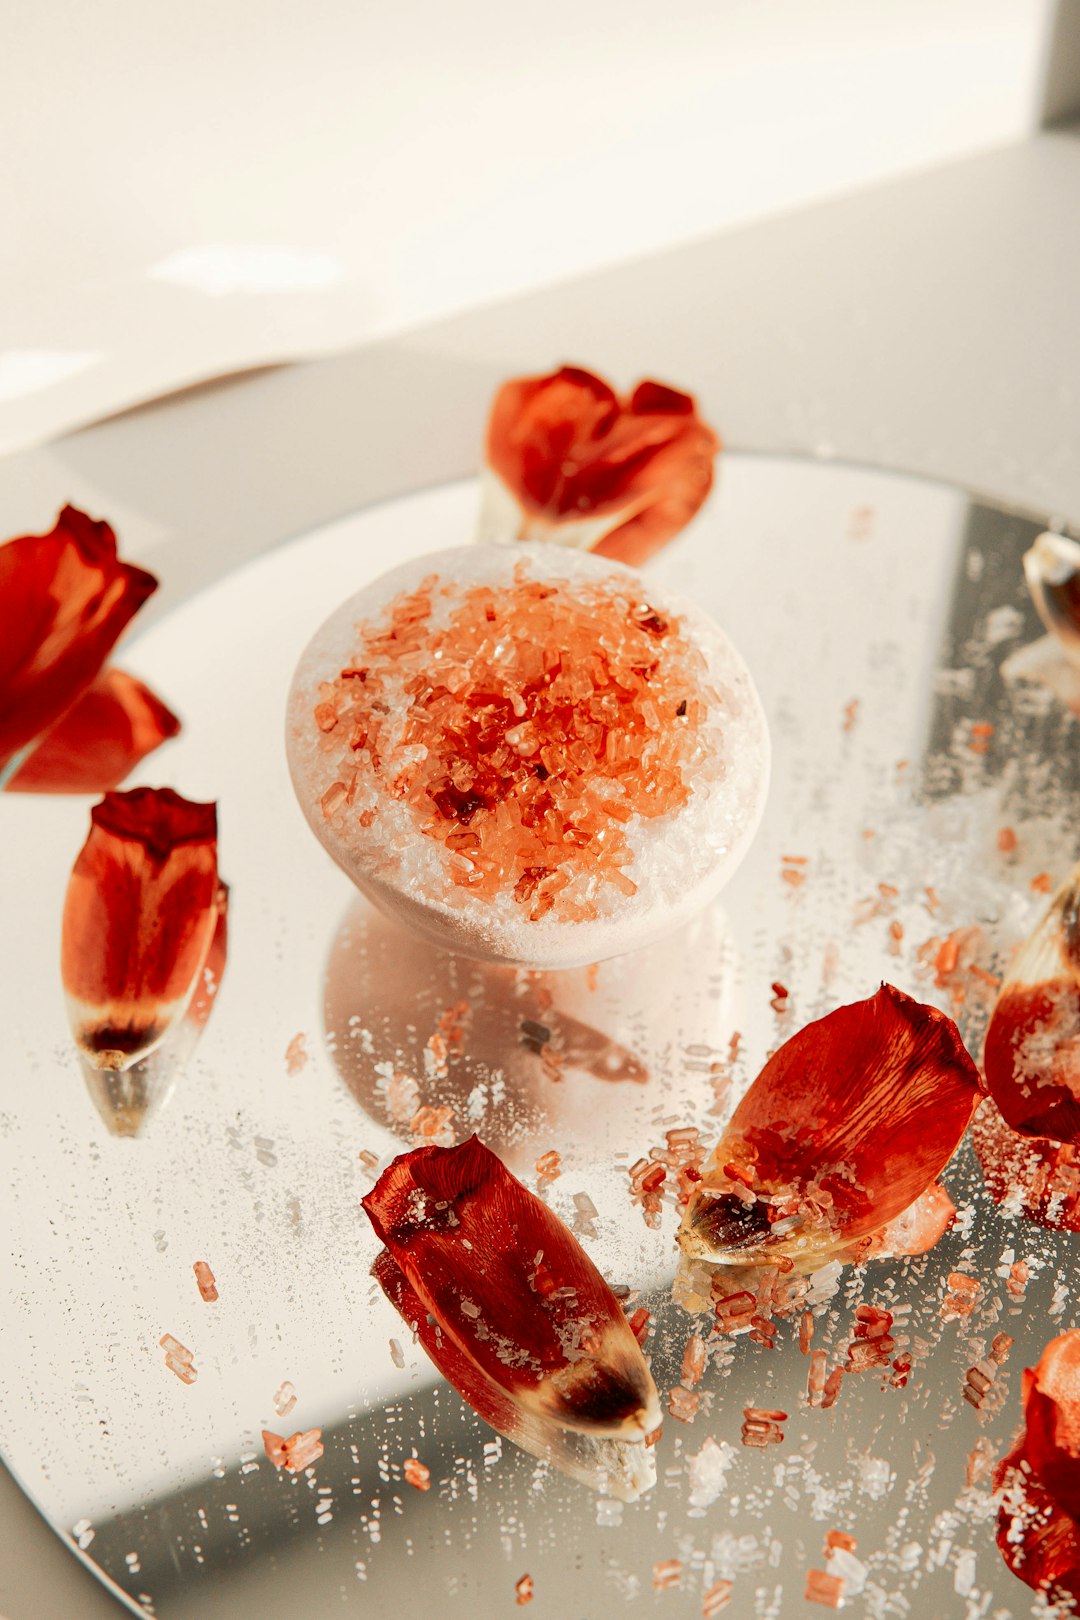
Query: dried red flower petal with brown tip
point(114, 724)
point(847, 1125)
point(64, 599)
point(512, 1288)
point(1038, 1533)
point(571, 460)
point(624, 1469)
point(1032, 1051)
point(144, 937)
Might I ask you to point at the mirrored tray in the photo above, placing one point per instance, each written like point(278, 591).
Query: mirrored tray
point(876, 612)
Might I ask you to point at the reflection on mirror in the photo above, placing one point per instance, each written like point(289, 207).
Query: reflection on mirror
point(205, 1389)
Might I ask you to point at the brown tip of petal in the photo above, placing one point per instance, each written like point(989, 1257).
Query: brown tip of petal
point(157, 818)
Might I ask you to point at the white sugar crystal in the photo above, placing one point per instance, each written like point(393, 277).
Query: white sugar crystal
point(708, 1471)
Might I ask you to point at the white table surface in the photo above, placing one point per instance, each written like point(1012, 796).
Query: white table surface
point(931, 324)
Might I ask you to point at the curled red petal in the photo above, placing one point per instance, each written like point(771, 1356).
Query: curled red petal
point(845, 1127)
point(64, 599)
point(1032, 1051)
point(1038, 1540)
point(619, 475)
point(140, 919)
point(1052, 1413)
point(114, 724)
point(513, 1290)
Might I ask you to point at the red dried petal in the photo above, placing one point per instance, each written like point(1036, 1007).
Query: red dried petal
point(114, 724)
point(64, 599)
point(511, 1288)
point(1052, 1410)
point(1039, 1541)
point(631, 471)
point(617, 1468)
point(1039, 1480)
point(1032, 1052)
point(849, 1123)
point(140, 920)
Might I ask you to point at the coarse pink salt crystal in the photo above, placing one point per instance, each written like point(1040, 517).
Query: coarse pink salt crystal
point(806, 1331)
point(640, 1322)
point(715, 1599)
point(828, 1590)
point(683, 1403)
point(831, 1391)
point(417, 1474)
point(205, 1279)
point(761, 1426)
point(961, 1294)
point(1017, 1281)
point(178, 1359)
point(296, 1054)
point(296, 1453)
point(435, 1125)
point(693, 1361)
point(548, 1166)
point(544, 763)
point(734, 1312)
point(369, 1160)
point(840, 1539)
point(523, 1590)
point(284, 1398)
point(667, 1574)
point(815, 1377)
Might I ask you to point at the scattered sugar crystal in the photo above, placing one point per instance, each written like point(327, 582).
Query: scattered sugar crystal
point(284, 1399)
point(433, 1126)
point(205, 1279)
point(715, 1599)
point(708, 1470)
point(417, 1474)
point(961, 1294)
point(609, 1512)
point(296, 1453)
point(964, 1575)
point(693, 1361)
point(178, 1359)
point(683, 1403)
point(397, 1354)
point(296, 1054)
point(875, 1476)
point(823, 1588)
point(666, 1574)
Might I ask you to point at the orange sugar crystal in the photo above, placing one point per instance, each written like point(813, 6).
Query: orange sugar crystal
point(715, 1599)
point(524, 726)
point(417, 1474)
point(296, 1453)
point(524, 1591)
point(205, 1279)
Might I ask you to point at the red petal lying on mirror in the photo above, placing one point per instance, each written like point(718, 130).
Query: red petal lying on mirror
point(847, 1125)
point(621, 1468)
point(518, 1302)
point(1038, 1533)
point(570, 460)
point(64, 599)
point(102, 737)
point(1032, 1051)
point(144, 939)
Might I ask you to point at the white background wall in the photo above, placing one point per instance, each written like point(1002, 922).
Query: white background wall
point(191, 188)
